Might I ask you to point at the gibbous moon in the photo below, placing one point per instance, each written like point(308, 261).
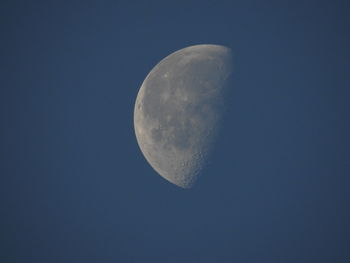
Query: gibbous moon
point(179, 108)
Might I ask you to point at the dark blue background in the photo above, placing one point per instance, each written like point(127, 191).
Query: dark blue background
point(74, 185)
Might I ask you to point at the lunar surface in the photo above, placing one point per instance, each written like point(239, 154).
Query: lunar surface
point(179, 109)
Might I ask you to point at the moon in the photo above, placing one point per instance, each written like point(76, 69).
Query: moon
point(179, 109)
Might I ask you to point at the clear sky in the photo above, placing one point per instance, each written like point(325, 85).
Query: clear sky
point(74, 186)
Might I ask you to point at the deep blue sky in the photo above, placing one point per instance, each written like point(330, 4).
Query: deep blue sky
point(74, 186)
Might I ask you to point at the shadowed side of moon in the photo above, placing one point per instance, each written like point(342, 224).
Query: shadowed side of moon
point(178, 111)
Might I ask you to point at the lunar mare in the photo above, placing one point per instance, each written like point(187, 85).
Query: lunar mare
point(178, 111)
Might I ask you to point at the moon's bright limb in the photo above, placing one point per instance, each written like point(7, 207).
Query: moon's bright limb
point(178, 109)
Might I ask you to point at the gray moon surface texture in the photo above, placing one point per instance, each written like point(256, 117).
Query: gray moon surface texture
point(179, 109)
